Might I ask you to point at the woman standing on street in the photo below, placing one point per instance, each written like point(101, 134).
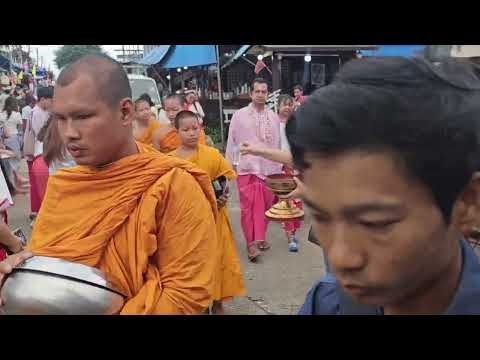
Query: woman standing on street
point(12, 120)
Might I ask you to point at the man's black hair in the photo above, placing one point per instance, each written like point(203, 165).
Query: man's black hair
point(29, 100)
point(45, 92)
point(424, 114)
point(259, 80)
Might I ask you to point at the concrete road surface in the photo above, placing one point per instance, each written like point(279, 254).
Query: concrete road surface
point(276, 284)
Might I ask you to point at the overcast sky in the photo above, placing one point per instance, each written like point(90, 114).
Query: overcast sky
point(47, 51)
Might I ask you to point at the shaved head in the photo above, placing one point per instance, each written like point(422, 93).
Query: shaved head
point(110, 78)
point(174, 97)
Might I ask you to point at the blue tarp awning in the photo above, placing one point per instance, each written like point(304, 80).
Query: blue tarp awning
point(395, 50)
point(190, 55)
point(155, 56)
point(243, 49)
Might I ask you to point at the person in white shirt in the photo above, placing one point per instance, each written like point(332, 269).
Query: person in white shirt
point(27, 109)
point(26, 113)
point(11, 119)
point(37, 169)
point(4, 94)
point(40, 115)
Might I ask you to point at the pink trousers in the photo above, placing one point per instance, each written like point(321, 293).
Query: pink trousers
point(255, 199)
point(293, 225)
point(38, 174)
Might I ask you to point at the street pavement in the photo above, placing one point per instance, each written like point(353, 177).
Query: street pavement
point(276, 284)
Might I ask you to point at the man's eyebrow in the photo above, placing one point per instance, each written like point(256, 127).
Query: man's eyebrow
point(72, 113)
point(374, 207)
point(361, 208)
point(55, 114)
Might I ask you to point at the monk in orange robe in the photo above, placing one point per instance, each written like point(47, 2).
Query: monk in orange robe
point(124, 208)
point(144, 125)
point(229, 277)
point(166, 138)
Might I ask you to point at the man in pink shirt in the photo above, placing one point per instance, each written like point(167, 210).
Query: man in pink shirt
point(259, 126)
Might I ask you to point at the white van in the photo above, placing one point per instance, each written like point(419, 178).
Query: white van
point(145, 85)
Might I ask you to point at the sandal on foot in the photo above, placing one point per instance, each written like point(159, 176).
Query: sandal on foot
point(263, 245)
point(252, 256)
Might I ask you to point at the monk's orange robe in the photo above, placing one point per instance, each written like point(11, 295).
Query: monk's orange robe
point(229, 277)
point(147, 136)
point(170, 141)
point(134, 220)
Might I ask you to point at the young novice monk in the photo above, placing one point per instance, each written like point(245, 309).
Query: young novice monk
point(166, 138)
point(229, 279)
point(145, 124)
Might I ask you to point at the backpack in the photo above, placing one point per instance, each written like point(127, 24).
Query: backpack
point(29, 138)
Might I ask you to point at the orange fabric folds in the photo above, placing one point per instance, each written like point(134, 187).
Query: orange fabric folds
point(147, 136)
point(147, 220)
point(229, 277)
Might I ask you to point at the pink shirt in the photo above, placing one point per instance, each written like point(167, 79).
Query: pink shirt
point(301, 99)
point(258, 128)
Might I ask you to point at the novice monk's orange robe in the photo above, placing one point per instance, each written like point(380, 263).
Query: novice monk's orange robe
point(148, 220)
point(170, 141)
point(229, 278)
point(147, 136)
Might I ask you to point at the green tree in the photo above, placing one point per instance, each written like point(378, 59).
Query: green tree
point(70, 53)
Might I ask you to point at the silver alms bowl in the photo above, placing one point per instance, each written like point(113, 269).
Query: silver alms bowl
point(50, 286)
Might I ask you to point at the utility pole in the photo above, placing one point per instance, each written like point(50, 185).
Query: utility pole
point(21, 54)
point(220, 95)
point(10, 52)
point(37, 56)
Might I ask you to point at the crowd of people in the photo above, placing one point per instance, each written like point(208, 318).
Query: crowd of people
point(15, 107)
point(385, 159)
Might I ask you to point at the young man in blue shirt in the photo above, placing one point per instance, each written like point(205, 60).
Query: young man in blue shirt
point(389, 153)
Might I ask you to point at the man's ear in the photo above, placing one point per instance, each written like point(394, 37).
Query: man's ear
point(466, 212)
point(127, 110)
